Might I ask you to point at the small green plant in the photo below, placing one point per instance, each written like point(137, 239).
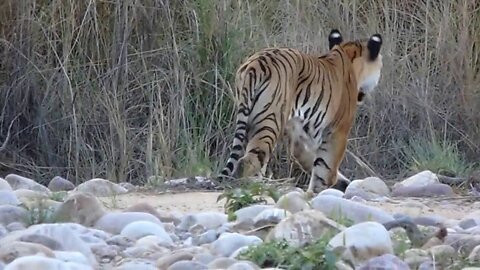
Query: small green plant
point(280, 254)
point(252, 193)
point(435, 155)
point(39, 212)
point(58, 196)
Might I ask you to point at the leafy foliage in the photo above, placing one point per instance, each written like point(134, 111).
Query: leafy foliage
point(252, 193)
point(281, 254)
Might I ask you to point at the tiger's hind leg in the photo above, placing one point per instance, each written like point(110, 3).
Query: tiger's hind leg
point(265, 134)
point(327, 161)
point(238, 146)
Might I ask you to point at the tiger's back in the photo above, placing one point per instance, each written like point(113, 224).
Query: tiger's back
point(319, 92)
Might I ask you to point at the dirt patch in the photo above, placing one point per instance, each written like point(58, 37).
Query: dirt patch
point(196, 201)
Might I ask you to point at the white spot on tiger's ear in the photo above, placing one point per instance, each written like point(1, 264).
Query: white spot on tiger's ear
point(335, 35)
point(376, 39)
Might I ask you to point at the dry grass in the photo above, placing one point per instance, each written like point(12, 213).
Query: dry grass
point(129, 89)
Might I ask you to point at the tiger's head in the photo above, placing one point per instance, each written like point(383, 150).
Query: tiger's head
point(366, 60)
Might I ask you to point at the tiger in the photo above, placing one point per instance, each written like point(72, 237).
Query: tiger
point(280, 85)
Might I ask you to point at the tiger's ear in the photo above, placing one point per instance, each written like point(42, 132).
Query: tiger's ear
point(334, 38)
point(374, 45)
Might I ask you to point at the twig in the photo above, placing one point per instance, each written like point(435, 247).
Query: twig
point(4, 144)
point(362, 164)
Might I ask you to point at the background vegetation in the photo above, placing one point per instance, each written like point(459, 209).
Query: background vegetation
point(126, 89)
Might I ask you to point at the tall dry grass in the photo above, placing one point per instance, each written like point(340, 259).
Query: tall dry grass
point(126, 89)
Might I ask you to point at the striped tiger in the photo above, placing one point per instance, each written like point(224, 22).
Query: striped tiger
point(278, 86)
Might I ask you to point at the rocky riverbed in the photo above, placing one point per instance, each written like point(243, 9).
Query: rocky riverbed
point(418, 223)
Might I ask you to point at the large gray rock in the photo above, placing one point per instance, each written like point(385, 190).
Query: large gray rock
point(339, 208)
point(420, 179)
point(60, 184)
point(19, 182)
point(293, 202)
point(40, 262)
point(228, 243)
point(115, 222)
point(303, 228)
point(11, 213)
point(370, 188)
point(101, 188)
point(362, 242)
point(139, 229)
point(4, 185)
point(385, 262)
point(430, 190)
point(8, 197)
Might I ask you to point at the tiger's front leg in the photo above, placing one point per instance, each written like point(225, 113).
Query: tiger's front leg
point(327, 161)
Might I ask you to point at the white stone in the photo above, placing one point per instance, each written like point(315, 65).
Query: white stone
point(4, 185)
point(18, 182)
point(293, 202)
point(363, 241)
point(339, 208)
point(101, 188)
point(421, 179)
point(115, 222)
point(39, 262)
point(8, 197)
point(139, 229)
point(228, 243)
point(209, 220)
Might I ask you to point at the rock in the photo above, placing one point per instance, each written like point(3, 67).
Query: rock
point(104, 253)
point(269, 216)
point(101, 188)
point(136, 265)
point(331, 192)
point(221, 263)
point(303, 228)
point(71, 256)
point(339, 208)
point(3, 231)
point(20, 182)
point(8, 197)
point(384, 262)
point(138, 229)
point(205, 238)
point(187, 265)
point(209, 220)
point(153, 242)
point(80, 207)
point(39, 262)
point(465, 243)
point(11, 213)
point(115, 222)
point(430, 190)
point(293, 202)
point(474, 256)
point(4, 185)
point(243, 265)
point(69, 236)
point(370, 188)
point(429, 220)
point(443, 254)
point(42, 240)
point(163, 216)
point(467, 223)
point(168, 259)
point(128, 186)
point(415, 257)
point(60, 184)
point(362, 242)
point(15, 226)
point(228, 243)
point(17, 249)
point(421, 179)
point(250, 212)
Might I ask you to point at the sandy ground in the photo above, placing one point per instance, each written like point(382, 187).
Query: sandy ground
point(450, 208)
